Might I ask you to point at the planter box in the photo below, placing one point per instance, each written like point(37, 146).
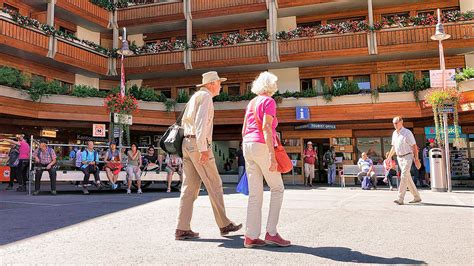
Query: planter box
point(467, 85)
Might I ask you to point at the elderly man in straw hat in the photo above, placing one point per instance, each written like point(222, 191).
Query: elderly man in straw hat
point(199, 164)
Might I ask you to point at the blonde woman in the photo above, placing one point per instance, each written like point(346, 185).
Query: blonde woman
point(259, 140)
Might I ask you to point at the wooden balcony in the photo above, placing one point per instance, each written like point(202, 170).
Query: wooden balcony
point(201, 8)
point(324, 46)
point(150, 13)
point(419, 38)
point(24, 39)
point(164, 61)
point(241, 54)
point(86, 10)
point(79, 56)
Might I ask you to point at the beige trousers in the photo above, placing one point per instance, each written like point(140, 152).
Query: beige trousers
point(405, 178)
point(194, 174)
point(308, 172)
point(257, 161)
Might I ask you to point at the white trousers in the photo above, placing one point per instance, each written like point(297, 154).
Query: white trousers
point(257, 161)
point(405, 178)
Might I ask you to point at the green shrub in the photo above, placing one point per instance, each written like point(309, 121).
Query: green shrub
point(183, 97)
point(345, 87)
point(466, 74)
point(12, 77)
point(88, 91)
point(222, 97)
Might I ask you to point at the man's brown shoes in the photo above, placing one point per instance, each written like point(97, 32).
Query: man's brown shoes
point(230, 228)
point(185, 234)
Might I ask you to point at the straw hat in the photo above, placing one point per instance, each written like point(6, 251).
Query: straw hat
point(209, 77)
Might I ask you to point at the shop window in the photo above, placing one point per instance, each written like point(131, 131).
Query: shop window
point(371, 146)
point(340, 20)
point(247, 31)
point(38, 77)
point(66, 31)
point(166, 92)
point(393, 15)
point(219, 34)
point(311, 24)
point(316, 84)
point(425, 13)
point(337, 82)
point(248, 87)
point(12, 8)
point(341, 141)
point(65, 84)
point(394, 78)
point(233, 89)
point(363, 82)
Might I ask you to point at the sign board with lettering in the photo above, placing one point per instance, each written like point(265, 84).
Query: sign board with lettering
point(48, 133)
point(302, 113)
point(315, 126)
point(436, 78)
point(98, 130)
point(122, 119)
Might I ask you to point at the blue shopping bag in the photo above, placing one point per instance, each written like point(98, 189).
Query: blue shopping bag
point(243, 186)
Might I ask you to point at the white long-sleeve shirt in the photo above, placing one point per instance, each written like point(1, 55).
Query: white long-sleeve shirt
point(198, 119)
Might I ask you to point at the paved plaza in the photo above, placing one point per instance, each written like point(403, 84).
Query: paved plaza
point(326, 226)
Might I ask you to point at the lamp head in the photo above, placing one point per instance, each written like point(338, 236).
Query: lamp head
point(125, 50)
point(440, 35)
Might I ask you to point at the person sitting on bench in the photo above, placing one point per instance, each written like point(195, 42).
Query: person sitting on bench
point(45, 160)
point(90, 158)
point(367, 169)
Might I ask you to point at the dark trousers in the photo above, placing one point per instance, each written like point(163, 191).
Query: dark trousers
point(88, 171)
point(390, 174)
point(52, 178)
point(22, 172)
point(13, 175)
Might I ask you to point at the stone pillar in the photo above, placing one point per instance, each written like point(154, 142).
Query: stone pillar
point(272, 46)
point(189, 34)
point(52, 45)
point(371, 35)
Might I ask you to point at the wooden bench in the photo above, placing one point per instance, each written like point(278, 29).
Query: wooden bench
point(353, 170)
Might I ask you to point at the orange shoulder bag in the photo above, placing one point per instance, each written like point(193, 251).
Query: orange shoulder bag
point(282, 158)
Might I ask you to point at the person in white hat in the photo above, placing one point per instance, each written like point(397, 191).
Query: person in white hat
point(310, 156)
point(199, 164)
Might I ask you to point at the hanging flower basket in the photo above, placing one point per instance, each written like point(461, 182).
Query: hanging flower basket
point(126, 105)
point(441, 100)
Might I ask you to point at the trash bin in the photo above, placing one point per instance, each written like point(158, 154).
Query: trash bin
point(438, 170)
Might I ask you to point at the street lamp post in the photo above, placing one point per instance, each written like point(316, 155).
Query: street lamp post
point(124, 51)
point(440, 36)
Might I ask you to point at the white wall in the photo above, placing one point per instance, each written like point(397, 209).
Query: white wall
point(466, 5)
point(85, 34)
point(286, 24)
point(469, 60)
point(137, 38)
point(83, 80)
point(288, 79)
point(137, 82)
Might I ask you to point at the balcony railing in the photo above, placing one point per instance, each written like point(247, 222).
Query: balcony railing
point(324, 43)
point(85, 9)
point(147, 62)
point(75, 55)
point(150, 12)
point(225, 55)
point(200, 5)
point(412, 35)
point(22, 38)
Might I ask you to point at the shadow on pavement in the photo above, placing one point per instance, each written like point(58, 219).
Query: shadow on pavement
point(446, 205)
point(340, 254)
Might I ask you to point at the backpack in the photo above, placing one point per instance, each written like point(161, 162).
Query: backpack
point(328, 158)
point(366, 182)
point(13, 157)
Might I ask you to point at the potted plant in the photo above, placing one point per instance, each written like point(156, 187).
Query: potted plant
point(440, 99)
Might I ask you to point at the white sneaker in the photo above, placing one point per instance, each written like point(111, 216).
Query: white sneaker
point(139, 191)
point(129, 191)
